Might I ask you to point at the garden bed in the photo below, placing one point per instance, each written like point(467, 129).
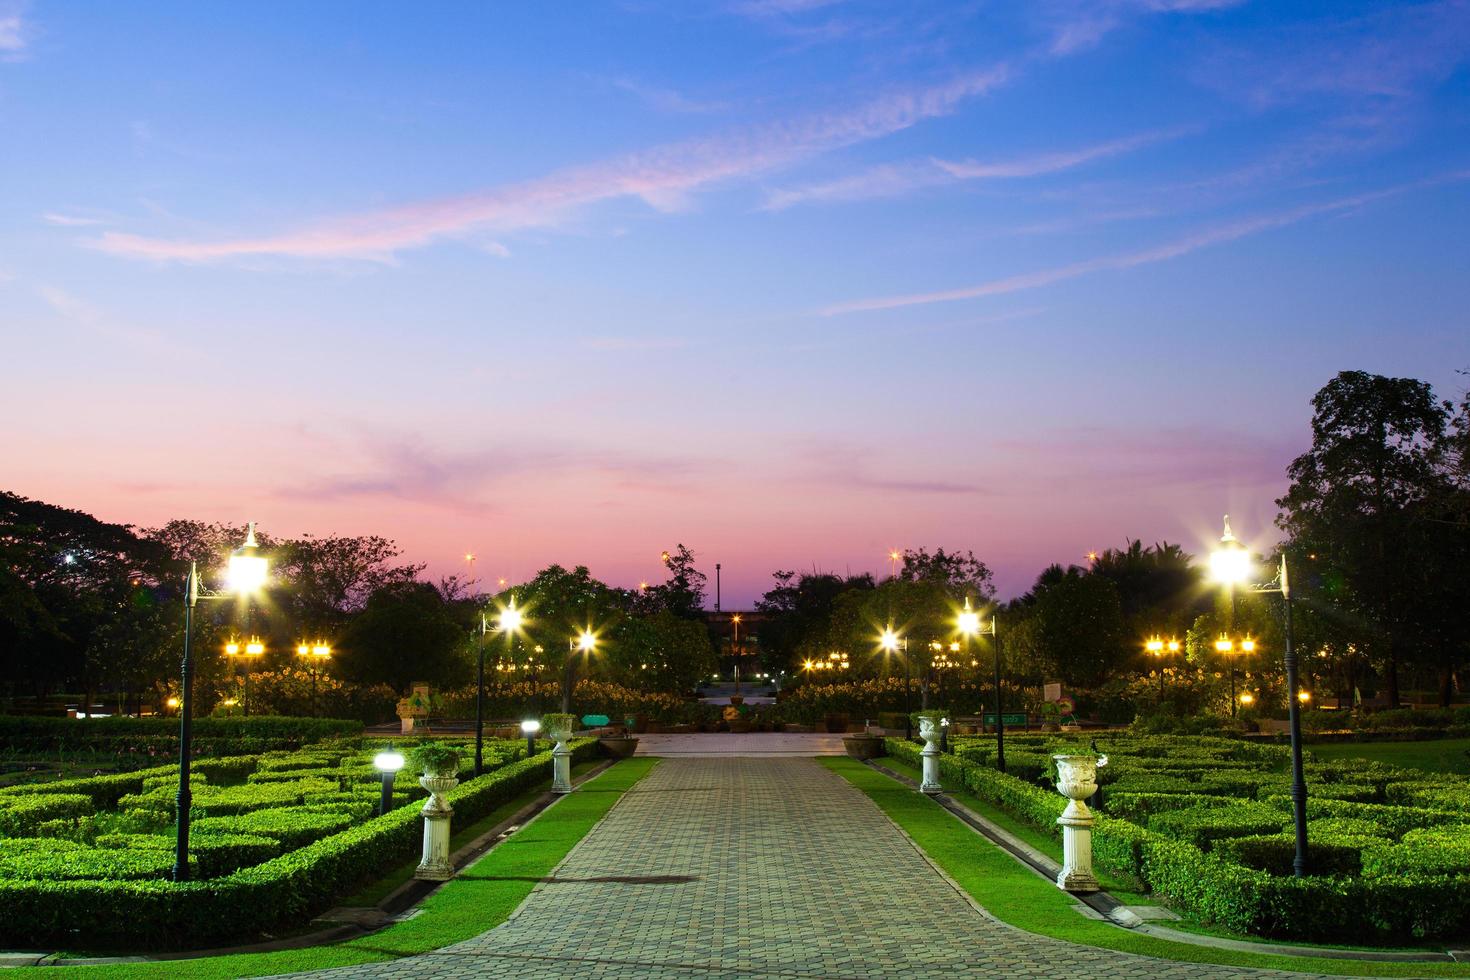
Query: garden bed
point(1205, 824)
point(277, 838)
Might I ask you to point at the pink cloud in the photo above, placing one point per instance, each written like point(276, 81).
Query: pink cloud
point(658, 176)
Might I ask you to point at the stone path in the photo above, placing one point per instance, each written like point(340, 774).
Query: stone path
point(716, 868)
point(751, 744)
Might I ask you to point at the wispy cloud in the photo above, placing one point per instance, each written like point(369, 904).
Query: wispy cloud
point(1077, 25)
point(70, 220)
point(14, 34)
point(895, 179)
point(78, 311)
point(666, 99)
point(1050, 163)
point(657, 176)
point(1159, 253)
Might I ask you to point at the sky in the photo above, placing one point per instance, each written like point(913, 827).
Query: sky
point(793, 282)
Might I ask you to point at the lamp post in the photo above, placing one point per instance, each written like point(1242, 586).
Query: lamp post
point(509, 623)
point(387, 763)
point(1231, 564)
point(970, 624)
point(247, 573)
point(1156, 645)
point(313, 654)
point(584, 642)
point(890, 642)
point(735, 650)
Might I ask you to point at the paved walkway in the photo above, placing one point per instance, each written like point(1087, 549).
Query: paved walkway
point(763, 745)
point(722, 868)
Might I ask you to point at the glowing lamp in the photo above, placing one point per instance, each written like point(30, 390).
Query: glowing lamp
point(1230, 564)
point(586, 641)
point(889, 640)
point(247, 567)
point(1247, 698)
point(1154, 646)
point(232, 648)
point(1304, 696)
point(1224, 644)
point(1248, 645)
point(254, 648)
point(388, 761)
point(530, 726)
point(511, 618)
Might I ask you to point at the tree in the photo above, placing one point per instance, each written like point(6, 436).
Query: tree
point(682, 593)
point(1357, 497)
point(405, 633)
point(959, 574)
point(1076, 627)
point(321, 581)
point(662, 652)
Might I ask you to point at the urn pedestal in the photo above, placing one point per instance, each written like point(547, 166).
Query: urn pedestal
point(561, 763)
point(1077, 780)
point(435, 864)
point(929, 732)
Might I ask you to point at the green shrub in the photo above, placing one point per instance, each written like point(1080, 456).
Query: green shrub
point(1149, 783)
point(292, 827)
point(292, 775)
point(1203, 825)
point(1338, 827)
point(20, 815)
point(1395, 820)
point(104, 791)
point(213, 854)
point(250, 797)
point(77, 861)
point(1276, 853)
point(434, 759)
point(1427, 851)
point(1138, 806)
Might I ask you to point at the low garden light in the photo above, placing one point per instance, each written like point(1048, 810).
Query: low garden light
point(529, 728)
point(248, 571)
point(388, 763)
point(1247, 698)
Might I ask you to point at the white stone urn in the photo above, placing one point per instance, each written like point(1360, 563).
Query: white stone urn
point(929, 732)
point(1077, 780)
point(561, 760)
point(435, 865)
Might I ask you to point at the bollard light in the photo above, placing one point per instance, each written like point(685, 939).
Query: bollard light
point(529, 728)
point(387, 763)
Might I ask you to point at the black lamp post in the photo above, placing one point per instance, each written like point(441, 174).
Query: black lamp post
point(247, 573)
point(480, 701)
point(891, 642)
point(1231, 564)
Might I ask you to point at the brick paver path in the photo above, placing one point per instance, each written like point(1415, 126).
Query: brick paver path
point(717, 868)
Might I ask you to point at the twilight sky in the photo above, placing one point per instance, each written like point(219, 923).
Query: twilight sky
point(790, 281)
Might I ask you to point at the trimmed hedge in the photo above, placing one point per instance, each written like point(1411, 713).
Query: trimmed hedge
point(133, 736)
point(1408, 905)
point(21, 815)
point(291, 827)
point(1203, 825)
point(212, 854)
point(1276, 853)
point(1433, 851)
point(291, 888)
point(58, 860)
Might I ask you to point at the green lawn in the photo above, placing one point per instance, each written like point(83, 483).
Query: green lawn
point(479, 899)
point(1016, 895)
point(1438, 755)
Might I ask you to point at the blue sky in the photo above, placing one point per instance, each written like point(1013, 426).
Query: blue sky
point(792, 281)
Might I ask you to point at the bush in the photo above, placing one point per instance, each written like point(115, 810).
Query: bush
point(55, 860)
point(291, 827)
point(20, 815)
point(1428, 851)
point(434, 759)
point(153, 736)
point(1275, 854)
point(287, 889)
point(212, 854)
point(1203, 825)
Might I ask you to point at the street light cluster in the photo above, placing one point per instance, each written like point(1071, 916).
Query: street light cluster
point(833, 661)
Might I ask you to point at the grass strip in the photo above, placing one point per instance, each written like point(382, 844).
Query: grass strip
point(480, 898)
point(383, 887)
point(1016, 895)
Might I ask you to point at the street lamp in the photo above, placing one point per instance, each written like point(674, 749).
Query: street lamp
point(970, 625)
point(247, 573)
point(387, 763)
point(314, 653)
point(1231, 565)
point(890, 642)
point(583, 642)
point(509, 623)
point(253, 649)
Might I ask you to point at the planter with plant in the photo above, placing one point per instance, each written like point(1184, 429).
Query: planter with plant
point(439, 764)
point(560, 727)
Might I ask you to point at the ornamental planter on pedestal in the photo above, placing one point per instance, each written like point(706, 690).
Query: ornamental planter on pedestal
point(929, 731)
point(1077, 780)
point(435, 864)
point(559, 727)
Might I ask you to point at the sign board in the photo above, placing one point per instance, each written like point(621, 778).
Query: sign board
point(1017, 719)
point(595, 721)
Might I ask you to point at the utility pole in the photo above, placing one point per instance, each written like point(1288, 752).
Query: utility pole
point(717, 586)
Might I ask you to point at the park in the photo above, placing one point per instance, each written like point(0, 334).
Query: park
point(723, 489)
